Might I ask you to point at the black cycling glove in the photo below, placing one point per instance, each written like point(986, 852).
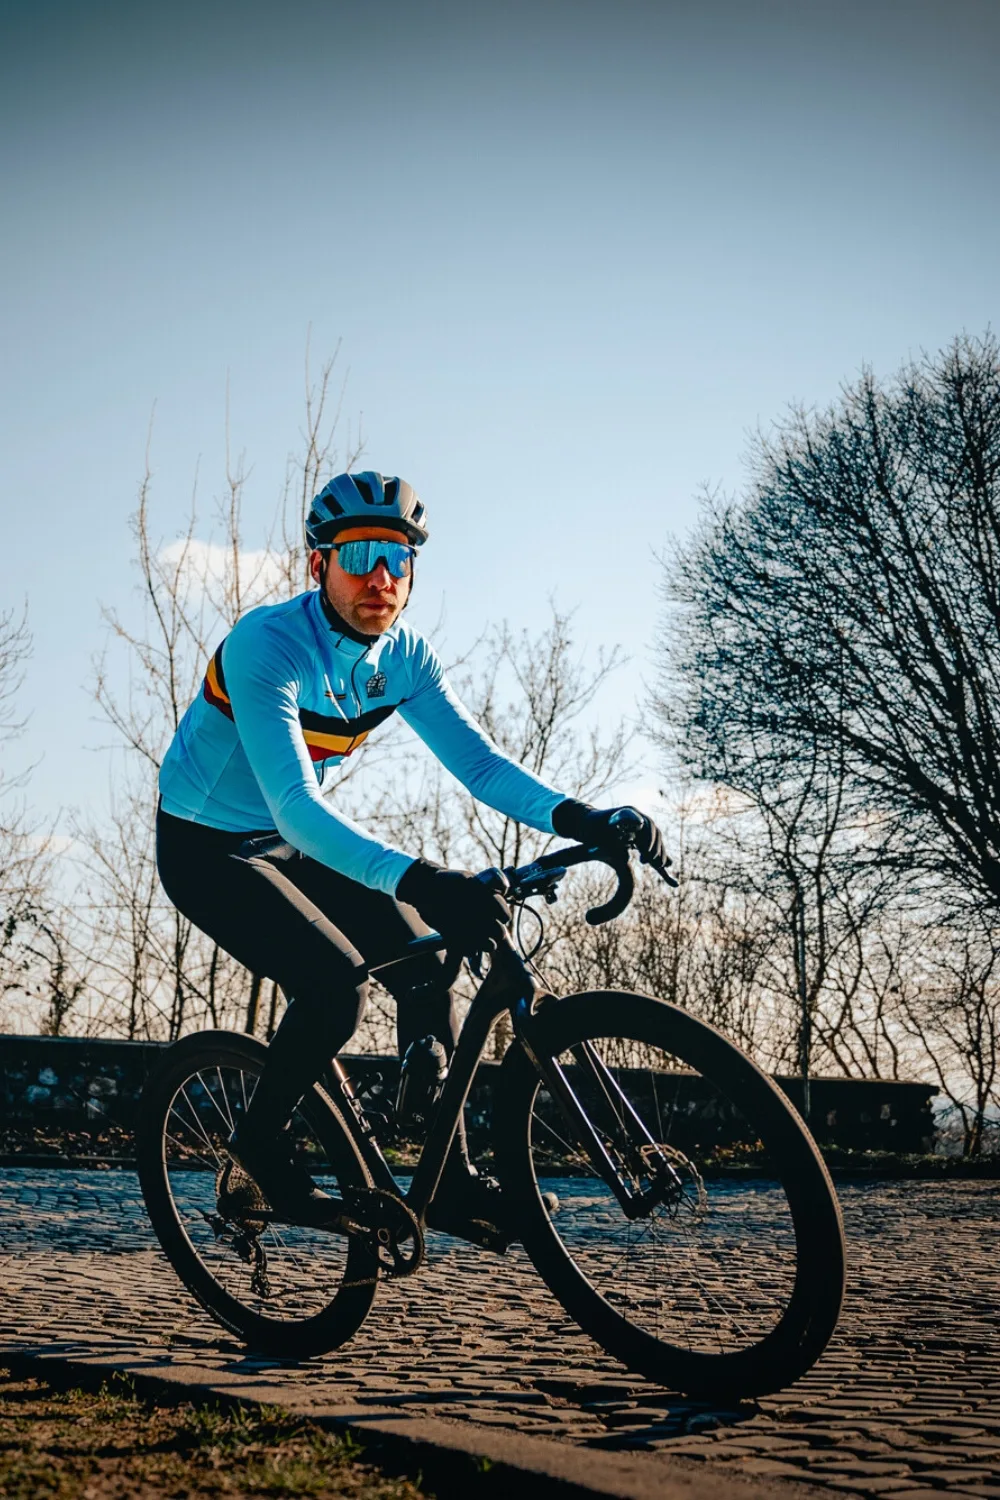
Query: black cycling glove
point(470, 915)
point(593, 825)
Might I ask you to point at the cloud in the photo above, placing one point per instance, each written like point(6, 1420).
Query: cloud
point(256, 575)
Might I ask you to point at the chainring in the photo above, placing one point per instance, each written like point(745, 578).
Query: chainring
point(392, 1227)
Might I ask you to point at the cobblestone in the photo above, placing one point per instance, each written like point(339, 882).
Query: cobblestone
point(905, 1403)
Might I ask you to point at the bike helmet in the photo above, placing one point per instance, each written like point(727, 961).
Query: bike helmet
point(365, 499)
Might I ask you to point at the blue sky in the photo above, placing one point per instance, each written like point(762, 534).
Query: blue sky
point(574, 254)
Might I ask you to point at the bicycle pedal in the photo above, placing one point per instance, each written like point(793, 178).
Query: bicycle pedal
point(491, 1238)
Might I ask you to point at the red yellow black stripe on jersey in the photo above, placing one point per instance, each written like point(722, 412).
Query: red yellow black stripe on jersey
point(215, 686)
point(325, 734)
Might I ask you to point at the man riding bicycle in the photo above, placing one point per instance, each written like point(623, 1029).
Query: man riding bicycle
point(250, 849)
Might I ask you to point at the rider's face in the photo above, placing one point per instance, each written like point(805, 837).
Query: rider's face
point(371, 603)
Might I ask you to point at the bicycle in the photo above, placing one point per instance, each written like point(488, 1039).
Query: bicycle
point(698, 1238)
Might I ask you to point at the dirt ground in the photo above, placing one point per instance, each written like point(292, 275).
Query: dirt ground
point(74, 1445)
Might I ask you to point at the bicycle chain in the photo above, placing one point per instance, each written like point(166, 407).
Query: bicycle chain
point(386, 1221)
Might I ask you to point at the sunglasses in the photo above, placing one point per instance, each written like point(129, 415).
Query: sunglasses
point(360, 557)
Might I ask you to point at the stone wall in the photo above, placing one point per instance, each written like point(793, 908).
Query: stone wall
point(51, 1086)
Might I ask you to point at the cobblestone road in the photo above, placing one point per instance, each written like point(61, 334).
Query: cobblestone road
point(905, 1402)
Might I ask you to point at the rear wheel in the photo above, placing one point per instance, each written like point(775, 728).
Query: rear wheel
point(725, 1274)
point(284, 1289)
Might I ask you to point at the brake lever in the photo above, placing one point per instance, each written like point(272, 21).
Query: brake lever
point(627, 821)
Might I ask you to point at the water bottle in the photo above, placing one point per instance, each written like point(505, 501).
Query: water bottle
point(421, 1078)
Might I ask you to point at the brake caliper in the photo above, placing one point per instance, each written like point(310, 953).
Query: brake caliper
point(676, 1180)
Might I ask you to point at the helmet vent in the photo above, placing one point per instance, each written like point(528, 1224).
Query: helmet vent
point(391, 491)
point(364, 489)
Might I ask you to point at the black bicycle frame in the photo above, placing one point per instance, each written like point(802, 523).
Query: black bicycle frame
point(508, 987)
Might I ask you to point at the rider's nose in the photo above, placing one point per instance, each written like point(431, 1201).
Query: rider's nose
point(380, 577)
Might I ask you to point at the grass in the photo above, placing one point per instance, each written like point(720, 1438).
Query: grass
point(74, 1445)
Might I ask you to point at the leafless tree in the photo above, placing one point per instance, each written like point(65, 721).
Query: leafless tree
point(832, 654)
point(852, 603)
point(950, 1003)
point(34, 970)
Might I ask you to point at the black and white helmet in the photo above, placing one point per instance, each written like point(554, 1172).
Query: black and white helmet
point(365, 499)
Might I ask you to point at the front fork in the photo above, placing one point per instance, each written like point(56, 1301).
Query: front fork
point(614, 1114)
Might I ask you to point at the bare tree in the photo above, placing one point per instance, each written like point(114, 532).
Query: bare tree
point(833, 655)
point(852, 602)
point(951, 1006)
point(32, 967)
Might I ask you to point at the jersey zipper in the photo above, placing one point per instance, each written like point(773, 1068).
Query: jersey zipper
point(354, 688)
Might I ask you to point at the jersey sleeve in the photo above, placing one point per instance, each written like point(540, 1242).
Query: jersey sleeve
point(434, 710)
point(262, 682)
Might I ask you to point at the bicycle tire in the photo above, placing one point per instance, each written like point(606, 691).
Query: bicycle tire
point(176, 1199)
point(674, 1321)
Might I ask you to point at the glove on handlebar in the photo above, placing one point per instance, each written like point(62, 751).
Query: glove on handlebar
point(593, 825)
point(469, 915)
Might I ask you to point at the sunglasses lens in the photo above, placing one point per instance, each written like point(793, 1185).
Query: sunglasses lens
point(359, 558)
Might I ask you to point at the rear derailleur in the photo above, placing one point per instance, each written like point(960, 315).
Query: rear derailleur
point(243, 1215)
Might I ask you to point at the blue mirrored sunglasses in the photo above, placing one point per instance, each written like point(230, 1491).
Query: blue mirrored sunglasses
point(359, 557)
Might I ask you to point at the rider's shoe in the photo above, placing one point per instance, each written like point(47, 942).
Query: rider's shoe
point(471, 1207)
point(270, 1160)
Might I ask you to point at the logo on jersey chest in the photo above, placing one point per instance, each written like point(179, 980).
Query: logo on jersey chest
point(375, 686)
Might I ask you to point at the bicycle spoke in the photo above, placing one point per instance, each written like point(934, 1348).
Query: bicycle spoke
point(225, 1100)
point(199, 1128)
point(214, 1102)
point(573, 1151)
point(283, 1273)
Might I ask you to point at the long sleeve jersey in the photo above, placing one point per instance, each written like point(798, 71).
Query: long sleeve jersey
point(286, 698)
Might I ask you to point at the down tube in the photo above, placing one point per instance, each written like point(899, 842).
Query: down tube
point(507, 982)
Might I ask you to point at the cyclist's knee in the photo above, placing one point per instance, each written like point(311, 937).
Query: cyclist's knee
point(337, 996)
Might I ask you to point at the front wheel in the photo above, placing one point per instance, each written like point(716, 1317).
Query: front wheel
point(698, 1237)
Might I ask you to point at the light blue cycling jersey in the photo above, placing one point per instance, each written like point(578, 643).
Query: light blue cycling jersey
point(286, 698)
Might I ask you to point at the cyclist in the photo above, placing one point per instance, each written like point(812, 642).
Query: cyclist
point(250, 849)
